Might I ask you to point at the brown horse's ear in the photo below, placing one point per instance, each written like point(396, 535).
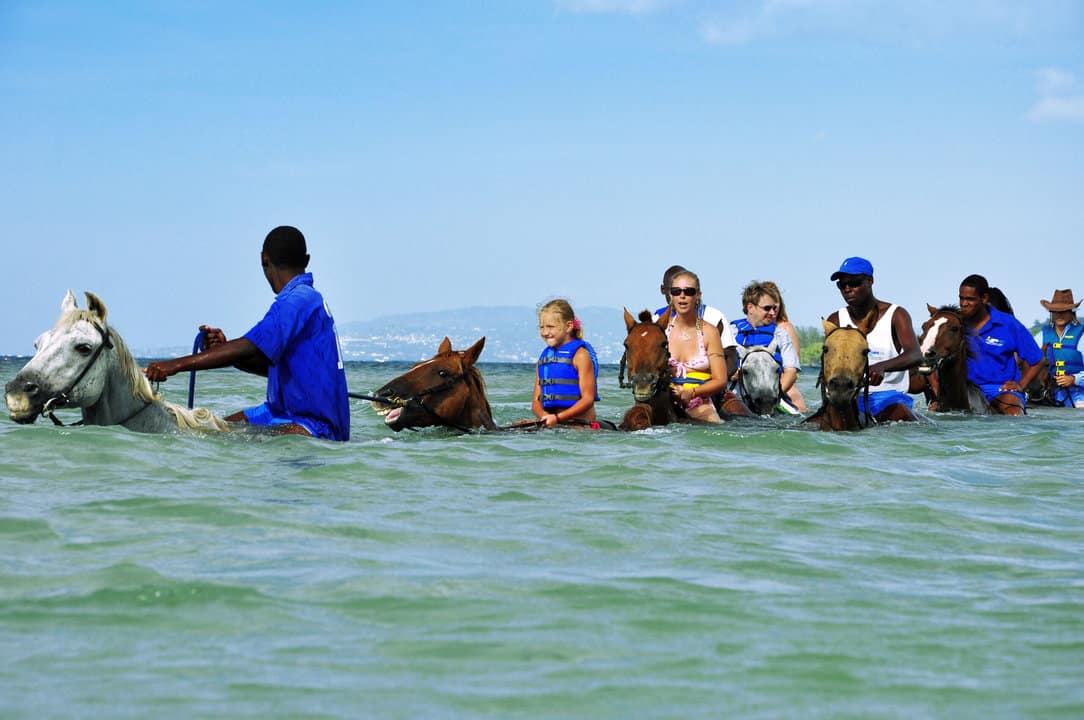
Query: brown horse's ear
point(932, 309)
point(629, 319)
point(828, 327)
point(470, 355)
point(445, 347)
point(96, 306)
point(664, 319)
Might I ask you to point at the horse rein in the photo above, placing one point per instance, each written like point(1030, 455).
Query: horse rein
point(418, 398)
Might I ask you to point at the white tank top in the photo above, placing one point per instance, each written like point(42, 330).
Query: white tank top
point(881, 348)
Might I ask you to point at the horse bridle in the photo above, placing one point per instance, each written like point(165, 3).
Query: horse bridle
point(741, 376)
point(62, 398)
point(935, 366)
point(419, 399)
point(662, 379)
point(864, 387)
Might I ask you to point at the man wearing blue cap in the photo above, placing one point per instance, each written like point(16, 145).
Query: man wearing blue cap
point(893, 347)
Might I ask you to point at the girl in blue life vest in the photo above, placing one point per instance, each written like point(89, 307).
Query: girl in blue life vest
point(567, 378)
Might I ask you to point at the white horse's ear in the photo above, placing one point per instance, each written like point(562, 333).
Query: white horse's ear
point(773, 346)
point(68, 303)
point(742, 351)
point(96, 306)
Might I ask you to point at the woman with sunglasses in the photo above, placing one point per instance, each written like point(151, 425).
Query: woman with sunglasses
point(893, 347)
point(697, 369)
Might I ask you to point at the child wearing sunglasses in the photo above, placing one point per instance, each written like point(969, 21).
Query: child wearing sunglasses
point(566, 382)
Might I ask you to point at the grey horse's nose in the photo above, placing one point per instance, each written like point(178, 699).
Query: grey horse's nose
point(26, 387)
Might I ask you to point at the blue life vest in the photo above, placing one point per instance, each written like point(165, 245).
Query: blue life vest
point(558, 379)
point(748, 336)
point(1062, 354)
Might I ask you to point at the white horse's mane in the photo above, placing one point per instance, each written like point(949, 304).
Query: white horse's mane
point(195, 419)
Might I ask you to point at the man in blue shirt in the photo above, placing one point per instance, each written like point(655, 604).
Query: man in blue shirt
point(997, 338)
point(295, 346)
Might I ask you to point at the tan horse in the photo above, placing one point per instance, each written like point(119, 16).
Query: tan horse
point(844, 374)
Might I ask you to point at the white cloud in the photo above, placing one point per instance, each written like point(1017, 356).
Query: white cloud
point(617, 7)
point(745, 21)
point(1057, 101)
point(1052, 81)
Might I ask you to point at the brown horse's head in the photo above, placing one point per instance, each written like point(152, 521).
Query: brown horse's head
point(647, 355)
point(943, 338)
point(446, 390)
point(844, 362)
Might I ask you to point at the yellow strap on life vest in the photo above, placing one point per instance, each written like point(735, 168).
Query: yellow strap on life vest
point(700, 377)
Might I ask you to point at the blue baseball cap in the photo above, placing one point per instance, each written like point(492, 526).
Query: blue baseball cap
point(854, 266)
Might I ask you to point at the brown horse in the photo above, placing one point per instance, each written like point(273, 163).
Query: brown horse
point(447, 391)
point(647, 357)
point(944, 363)
point(844, 374)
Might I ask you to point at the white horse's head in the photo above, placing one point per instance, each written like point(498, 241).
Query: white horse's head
point(71, 366)
point(759, 377)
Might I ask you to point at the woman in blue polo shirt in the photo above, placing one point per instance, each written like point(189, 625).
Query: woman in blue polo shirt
point(996, 341)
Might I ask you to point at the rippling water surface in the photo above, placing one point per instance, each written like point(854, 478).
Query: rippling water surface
point(750, 570)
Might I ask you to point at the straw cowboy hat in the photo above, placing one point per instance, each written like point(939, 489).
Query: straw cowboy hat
point(1062, 300)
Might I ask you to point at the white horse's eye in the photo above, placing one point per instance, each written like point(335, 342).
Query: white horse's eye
point(84, 348)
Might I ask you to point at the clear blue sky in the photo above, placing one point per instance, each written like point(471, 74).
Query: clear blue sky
point(450, 154)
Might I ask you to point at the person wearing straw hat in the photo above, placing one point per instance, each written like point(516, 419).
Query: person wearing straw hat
point(1063, 344)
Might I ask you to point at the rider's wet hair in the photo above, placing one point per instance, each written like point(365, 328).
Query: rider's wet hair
point(285, 247)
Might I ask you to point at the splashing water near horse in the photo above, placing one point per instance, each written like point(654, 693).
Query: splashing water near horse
point(447, 391)
point(84, 363)
point(944, 363)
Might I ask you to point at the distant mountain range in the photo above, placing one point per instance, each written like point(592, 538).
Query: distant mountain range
point(511, 334)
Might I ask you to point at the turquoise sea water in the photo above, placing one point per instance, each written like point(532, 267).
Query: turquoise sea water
point(750, 570)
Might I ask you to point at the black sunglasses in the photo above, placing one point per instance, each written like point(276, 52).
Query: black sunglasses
point(853, 283)
point(768, 308)
point(689, 291)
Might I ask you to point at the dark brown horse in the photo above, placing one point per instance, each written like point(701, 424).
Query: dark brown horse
point(647, 359)
point(446, 390)
point(844, 375)
point(944, 363)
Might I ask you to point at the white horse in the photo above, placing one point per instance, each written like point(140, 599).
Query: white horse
point(84, 363)
point(758, 378)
